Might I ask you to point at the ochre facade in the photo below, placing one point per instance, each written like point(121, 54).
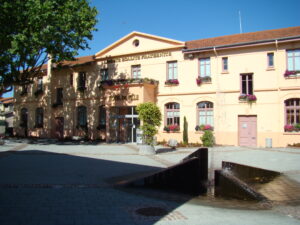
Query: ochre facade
point(135, 69)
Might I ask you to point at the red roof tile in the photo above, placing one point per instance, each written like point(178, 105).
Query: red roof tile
point(243, 38)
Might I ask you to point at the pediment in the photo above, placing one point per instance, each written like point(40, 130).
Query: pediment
point(137, 42)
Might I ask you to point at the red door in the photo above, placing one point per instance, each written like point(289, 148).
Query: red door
point(247, 131)
point(59, 127)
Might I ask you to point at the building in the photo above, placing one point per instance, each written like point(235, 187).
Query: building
point(6, 116)
point(246, 87)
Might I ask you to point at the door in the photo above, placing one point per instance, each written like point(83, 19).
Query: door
point(59, 127)
point(247, 131)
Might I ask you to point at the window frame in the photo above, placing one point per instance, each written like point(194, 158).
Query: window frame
point(71, 77)
point(59, 95)
point(223, 65)
point(136, 69)
point(174, 75)
point(173, 110)
point(205, 67)
point(102, 117)
point(293, 107)
point(82, 80)
point(39, 117)
point(247, 92)
point(104, 75)
point(293, 57)
point(81, 122)
point(206, 109)
point(40, 84)
point(269, 66)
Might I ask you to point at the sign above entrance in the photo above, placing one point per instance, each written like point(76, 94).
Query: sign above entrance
point(130, 97)
point(139, 57)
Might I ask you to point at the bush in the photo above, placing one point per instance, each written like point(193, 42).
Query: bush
point(150, 115)
point(185, 132)
point(207, 138)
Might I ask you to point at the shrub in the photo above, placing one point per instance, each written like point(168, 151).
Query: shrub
point(185, 131)
point(207, 138)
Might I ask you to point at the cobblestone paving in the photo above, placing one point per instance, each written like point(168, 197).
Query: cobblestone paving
point(44, 184)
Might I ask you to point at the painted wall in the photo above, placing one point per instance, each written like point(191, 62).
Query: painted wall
point(270, 88)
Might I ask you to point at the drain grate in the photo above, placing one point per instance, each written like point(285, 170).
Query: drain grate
point(152, 211)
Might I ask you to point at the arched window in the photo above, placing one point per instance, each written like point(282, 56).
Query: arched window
point(172, 115)
point(39, 117)
point(81, 116)
point(24, 117)
point(205, 113)
point(292, 111)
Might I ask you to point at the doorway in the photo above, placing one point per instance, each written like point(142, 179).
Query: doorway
point(123, 123)
point(247, 131)
point(59, 128)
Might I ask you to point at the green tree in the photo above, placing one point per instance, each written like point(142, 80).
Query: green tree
point(207, 138)
point(185, 131)
point(32, 29)
point(150, 115)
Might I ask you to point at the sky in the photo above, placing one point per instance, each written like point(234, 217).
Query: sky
point(186, 20)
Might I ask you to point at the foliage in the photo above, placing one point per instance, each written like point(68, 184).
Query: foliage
point(185, 131)
point(32, 29)
point(207, 138)
point(150, 115)
point(203, 127)
point(172, 82)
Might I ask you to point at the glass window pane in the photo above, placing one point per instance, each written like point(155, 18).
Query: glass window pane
point(290, 64)
point(297, 63)
point(208, 70)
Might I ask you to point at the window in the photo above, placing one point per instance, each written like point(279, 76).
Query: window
point(40, 84)
point(71, 79)
point(59, 95)
point(172, 71)
point(136, 71)
point(39, 116)
point(81, 80)
point(102, 117)
point(205, 113)
point(292, 111)
point(247, 84)
point(81, 116)
point(270, 60)
point(293, 60)
point(225, 64)
point(172, 113)
point(24, 89)
point(24, 117)
point(204, 70)
point(104, 74)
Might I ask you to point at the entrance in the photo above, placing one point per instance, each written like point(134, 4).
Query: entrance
point(123, 123)
point(59, 127)
point(247, 131)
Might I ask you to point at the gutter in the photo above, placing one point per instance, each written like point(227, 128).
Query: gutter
point(260, 42)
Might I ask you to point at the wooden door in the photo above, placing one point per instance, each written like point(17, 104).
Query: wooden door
point(247, 131)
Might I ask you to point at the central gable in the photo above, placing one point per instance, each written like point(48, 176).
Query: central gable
point(137, 42)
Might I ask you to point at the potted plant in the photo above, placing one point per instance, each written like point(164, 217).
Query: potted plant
point(172, 82)
point(289, 128)
point(150, 116)
point(198, 80)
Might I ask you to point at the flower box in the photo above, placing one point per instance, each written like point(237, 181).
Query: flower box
point(205, 79)
point(291, 73)
point(204, 127)
point(172, 82)
point(172, 128)
point(247, 98)
point(291, 128)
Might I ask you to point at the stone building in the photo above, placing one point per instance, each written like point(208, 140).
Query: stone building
point(245, 87)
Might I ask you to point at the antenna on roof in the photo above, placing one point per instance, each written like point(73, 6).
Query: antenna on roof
point(240, 18)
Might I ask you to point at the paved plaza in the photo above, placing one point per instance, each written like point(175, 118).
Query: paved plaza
point(71, 183)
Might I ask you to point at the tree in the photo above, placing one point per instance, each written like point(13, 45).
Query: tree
point(150, 115)
point(185, 131)
point(33, 29)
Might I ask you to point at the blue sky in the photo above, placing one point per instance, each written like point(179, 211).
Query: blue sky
point(186, 20)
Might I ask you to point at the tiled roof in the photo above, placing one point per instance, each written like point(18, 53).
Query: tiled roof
point(78, 61)
point(244, 38)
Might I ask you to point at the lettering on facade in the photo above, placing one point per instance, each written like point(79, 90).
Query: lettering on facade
point(131, 97)
point(139, 57)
